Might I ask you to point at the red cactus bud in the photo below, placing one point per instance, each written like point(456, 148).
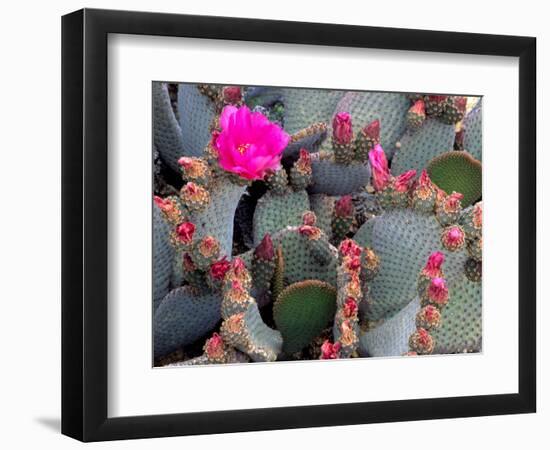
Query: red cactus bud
point(309, 218)
point(418, 108)
point(185, 232)
point(348, 247)
point(265, 250)
point(379, 166)
point(232, 94)
point(305, 157)
point(186, 162)
point(350, 307)
point(424, 179)
point(214, 347)
point(453, 237)
point(353, 263)
point(238, 266)
point(372, 130)
point(165, 205)
point(219, 268)
point(344, 206)
point(433, 266)
point(431, 314)
point(342, 129)
point(423, 338)
point(330, 351)
point(309, 231)
point(460, 103)
point(437, 291)
point(402, 182)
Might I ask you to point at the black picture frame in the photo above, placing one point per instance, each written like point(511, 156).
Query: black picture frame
point(84, 224)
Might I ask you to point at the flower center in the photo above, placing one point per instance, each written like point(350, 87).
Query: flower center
point(242, 148)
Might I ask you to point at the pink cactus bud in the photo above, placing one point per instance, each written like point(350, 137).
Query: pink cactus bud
point(452, 202)
point(342, 131)
point(344, 206)
point(372, 130)
point(188, 264)
point(429, 316)
point(185, 232)
point(437, 291)
point(353, 263)
point(209, 246)
point(433, 266)
point(348, 247)
point(453, 237)
point(402, 182)
point(477, 215)
point(330, 351)
point(165, 205)
point(379, 166)
point(460, 103)
point(418, 108)
point(265, 250)
point(232, 94)
point(309, 218)
point(424, 179)
point(214, 347)
point(219, 268)
point(423, 338)
point(238, 266)
point(191, 189)
point(186, 162)
point(309, 231)
point(350, 307)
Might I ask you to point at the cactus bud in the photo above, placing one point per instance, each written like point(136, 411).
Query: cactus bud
point(309, 218)
point(379, 166)
point(185, 232)
point(437, 292)
point(416, 115)
point(214, 348)
point(350, 308)
point(344, 206)
point(348, 247)
point(428, 317)
point(435, 104)
point(433, 266)
point(312, 233)
point(403, 181)
point(194, 196)
point(300, 173)
point(219, 268)
point(453, 238)
point(372, 131)
point(232, 95)
point(421, 342)
point(330, 351)
point(342, 131)
point(367, 138)
point(265, 250)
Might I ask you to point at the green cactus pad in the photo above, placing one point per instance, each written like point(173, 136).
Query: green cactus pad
point(473, 131)
point(300, 260)
point(457, 171)
point(275, 212)
point(182, 317)
point(163, 255)
point(323, 205)
point(419, 148)
point(167, 133)
point(217, 218)
point(338, 179)
point(302, 311)
point(461, 319)
point(390, 108)
point(403, 239)
point(196, 114)
point(306, 106)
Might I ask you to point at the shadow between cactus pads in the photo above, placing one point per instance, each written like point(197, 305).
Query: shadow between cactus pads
point(302, 311)
point(457, 171)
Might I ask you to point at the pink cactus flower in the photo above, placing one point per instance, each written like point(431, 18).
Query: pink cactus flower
point(348, 247)
point(379, 166)
point(219, 268)
point(342, 131)
point(350, 307)
point(330, 351)
point(438, 291)
point(402, 182)
point(433, 266)
point(249, 145)
point(185, 232)
point(372, 130)
point(344, 206)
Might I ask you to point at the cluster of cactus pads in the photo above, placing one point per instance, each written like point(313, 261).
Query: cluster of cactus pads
point(295, 224)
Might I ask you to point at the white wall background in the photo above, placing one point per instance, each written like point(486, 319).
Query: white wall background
point(30, 229)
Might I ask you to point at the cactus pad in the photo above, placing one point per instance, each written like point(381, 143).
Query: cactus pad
point(302, 311)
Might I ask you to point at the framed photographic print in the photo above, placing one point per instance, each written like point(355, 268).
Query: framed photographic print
point(274, 224)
